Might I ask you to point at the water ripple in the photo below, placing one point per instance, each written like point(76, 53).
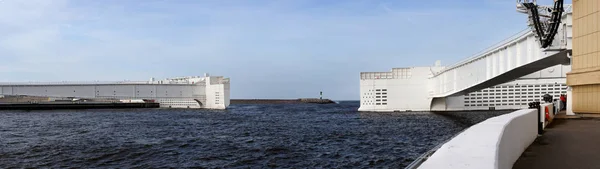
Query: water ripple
point(244, 136)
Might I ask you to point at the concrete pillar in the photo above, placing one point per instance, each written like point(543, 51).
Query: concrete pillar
point(570, 102)
point(583, 78)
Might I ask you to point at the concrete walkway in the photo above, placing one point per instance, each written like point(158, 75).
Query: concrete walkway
point(566, 143)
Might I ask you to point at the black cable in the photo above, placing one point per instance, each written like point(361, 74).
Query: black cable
point(546, 34)
point(536, 20)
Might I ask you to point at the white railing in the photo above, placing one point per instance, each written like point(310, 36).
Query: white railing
point(73, 83)
point(506, 42)
point(97, 83)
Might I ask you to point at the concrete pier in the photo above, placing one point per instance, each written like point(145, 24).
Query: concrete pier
point(282, 101)
point(67, 105)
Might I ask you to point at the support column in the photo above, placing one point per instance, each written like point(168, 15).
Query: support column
point(570, 102)
point(583, 79)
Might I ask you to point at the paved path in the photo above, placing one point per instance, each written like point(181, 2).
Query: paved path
point(566, 143)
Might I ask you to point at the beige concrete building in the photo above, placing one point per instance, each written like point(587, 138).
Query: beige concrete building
point(585, 75)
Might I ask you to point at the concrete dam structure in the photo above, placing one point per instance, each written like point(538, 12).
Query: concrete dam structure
point(210, 92)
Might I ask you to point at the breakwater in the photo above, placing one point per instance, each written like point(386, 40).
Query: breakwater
point(282, 101)
point(74, 105)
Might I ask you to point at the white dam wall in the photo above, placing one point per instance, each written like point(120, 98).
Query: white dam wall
point(187, 92)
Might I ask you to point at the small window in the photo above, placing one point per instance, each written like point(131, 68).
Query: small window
point(385, 100)
point(384, 90)
point(378, 90)
point(384, 93)
point(383, 103)
point(377, 103)
point(377, 93)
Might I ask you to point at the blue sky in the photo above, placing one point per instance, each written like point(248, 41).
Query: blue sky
point(269, 49)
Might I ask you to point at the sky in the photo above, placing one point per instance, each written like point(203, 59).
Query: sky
point(269, 48)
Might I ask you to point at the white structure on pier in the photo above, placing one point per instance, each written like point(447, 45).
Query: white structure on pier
point(433, 88)
point(211, 92)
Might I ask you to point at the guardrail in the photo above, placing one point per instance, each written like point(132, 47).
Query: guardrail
point(512, 39)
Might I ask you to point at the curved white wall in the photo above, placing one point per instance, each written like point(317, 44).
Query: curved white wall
point(494, 143)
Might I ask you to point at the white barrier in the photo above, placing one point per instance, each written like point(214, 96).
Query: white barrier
point(495, 143)
point(545, 121)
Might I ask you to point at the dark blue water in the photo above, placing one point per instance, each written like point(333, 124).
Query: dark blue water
point(245, 136)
